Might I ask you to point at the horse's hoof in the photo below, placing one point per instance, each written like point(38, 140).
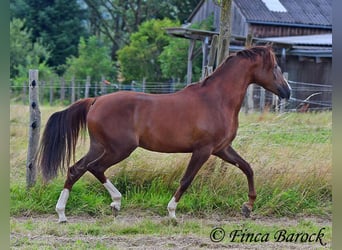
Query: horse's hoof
point(115, 211)
point(62, 221)
point(246, 210)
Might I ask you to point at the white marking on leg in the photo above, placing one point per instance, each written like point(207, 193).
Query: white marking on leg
point(171, 207)
point(114, 193)
point(61, 203)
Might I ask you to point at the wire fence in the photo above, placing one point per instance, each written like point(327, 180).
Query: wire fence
point(310, 95)
point(304, 97)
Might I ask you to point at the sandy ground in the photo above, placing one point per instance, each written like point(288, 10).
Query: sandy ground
point(148, 241)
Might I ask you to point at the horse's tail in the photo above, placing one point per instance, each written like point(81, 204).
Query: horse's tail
point(59, 139)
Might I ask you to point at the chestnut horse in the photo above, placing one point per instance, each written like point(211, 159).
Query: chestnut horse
point(201, 119)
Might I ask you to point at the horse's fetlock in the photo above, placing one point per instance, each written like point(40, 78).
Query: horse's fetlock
point(60, 209)
point(116, 205)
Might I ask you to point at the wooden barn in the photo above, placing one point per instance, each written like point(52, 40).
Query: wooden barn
point(271, 18)
point(300, 30)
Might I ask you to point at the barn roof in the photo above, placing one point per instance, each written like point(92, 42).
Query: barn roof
point(310, 40)
point(310, 45)
point(312, 13)
point(299, 12)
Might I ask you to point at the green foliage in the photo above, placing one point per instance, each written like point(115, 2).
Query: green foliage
point(57, 24)
point(26, 54)
point(93, 61)
point(173, 59)
point(115, 20)
point(139, 59)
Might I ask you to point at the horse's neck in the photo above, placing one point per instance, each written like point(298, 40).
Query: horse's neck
point(230, 83)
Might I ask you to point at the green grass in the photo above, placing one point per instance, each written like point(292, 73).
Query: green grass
point(290, 155)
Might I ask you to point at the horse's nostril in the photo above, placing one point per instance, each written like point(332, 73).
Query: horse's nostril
point(284, 92)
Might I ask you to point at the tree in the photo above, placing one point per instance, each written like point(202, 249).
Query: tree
point(225, 29)
point(140, 59)
point(117, 19)
point(93, 61)
point(174, 57)
point(25, 54)
point(57, 23)
point(173, 61)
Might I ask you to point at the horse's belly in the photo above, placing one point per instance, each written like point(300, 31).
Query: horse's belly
point(166, 143)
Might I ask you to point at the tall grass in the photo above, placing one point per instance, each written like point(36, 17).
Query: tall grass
point(290, 154)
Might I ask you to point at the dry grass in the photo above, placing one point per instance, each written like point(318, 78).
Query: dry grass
point(291, 155)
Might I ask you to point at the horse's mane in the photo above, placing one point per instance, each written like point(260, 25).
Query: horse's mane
point(252, 53)
point(264, 51)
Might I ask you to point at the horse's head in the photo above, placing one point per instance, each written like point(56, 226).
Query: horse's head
point(268, 74)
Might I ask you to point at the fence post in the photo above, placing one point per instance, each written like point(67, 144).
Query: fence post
point(34, 129)
point(78, 96)
point(62, 93)
point(249, 99)
point(144, 85)
point(51, 92)
point(95, 88)
point(103, 85)
point(283, 101)
point(262, 99)
point(73, 89)
point(275, 103)
point(87, 85)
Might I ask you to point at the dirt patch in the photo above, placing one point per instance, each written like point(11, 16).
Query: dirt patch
point(43, 232)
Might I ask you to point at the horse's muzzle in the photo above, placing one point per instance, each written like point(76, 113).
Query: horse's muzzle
point(284, 91)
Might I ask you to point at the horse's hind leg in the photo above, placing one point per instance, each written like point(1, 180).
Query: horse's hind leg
point(99, 167)
point(74, 173)
point(230, 155)
point(112, 190)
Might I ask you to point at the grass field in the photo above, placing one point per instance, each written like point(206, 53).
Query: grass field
point(290, 154)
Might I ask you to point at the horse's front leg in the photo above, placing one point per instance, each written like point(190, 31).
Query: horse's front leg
point(198, 158)
point(231, 156)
